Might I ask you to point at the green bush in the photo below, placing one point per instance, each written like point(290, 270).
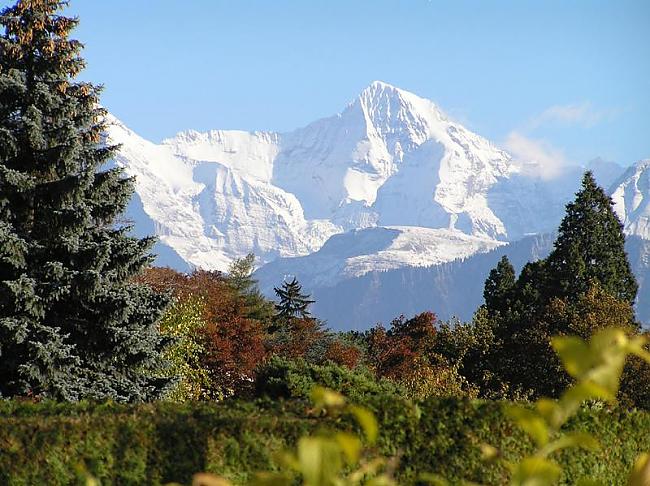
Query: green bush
point(47, 443)
point(284, 378)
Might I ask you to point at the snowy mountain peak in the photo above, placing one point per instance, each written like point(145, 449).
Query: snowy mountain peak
point(380, 93)
point(390, 158)
point(380, 85)
point(389, 110)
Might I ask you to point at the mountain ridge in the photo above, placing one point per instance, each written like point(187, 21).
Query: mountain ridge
point(390, 158)
point(388, 184)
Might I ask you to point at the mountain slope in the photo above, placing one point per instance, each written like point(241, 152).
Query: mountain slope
point(451, 289)
point(389, 158)
point(631, 196)
point(358, 252)
point(211, 212)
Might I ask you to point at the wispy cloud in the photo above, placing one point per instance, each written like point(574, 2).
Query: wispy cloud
point(537, 158)
point(583, 114)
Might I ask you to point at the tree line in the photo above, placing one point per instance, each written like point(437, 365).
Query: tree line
point(84, 315)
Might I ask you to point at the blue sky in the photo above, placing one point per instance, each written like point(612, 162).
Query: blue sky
point(568, 78)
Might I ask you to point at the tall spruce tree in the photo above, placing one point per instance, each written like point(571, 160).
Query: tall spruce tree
point(293, 303)
point(556, 296)
point(499, 287)
point(590, 246)
point(71, 323)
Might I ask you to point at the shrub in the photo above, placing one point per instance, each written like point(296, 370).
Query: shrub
point(284, 378)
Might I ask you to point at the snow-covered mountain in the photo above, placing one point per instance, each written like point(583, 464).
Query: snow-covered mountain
point(358, 252)
point(216, 206)
point(390, 158)
point(631, 196)
point(387, 188)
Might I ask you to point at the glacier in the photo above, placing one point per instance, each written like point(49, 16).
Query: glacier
point(390, 158)
point(389, 183)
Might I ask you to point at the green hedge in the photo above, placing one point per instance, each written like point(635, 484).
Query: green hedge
point(284, 378)
point(157, 443)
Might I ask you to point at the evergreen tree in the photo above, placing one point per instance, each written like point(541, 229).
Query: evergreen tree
point(240, 274)
point(293, 303)
point(240, 277)
point(529, 295)
point(499, 287)
point(590, 246)
point(72, 324)
point(588, 260)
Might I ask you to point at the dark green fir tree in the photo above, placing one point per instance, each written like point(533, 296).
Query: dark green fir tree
point(293, 303)
point(499, 287)
point(555, 296)
point(71, 324)
point(590, 246)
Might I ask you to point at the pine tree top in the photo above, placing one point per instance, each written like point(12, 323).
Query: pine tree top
point(293, 303)
point(499, 286)
point(591, 245)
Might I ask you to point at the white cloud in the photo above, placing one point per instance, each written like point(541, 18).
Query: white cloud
point(537, 158)
point(583, 114)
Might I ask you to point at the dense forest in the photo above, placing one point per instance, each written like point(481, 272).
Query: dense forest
point(114, 370)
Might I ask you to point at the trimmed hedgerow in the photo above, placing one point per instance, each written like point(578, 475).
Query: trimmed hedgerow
point(52, 443)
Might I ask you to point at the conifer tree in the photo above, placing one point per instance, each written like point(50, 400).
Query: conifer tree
point(72, 325)
point(240, 274)
point(293, 303)
point(499, 287)
point(240, 277)
point(590, 246)
point(588, 259)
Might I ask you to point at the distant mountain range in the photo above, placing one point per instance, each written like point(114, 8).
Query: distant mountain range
point(390, 188)
point(452, 289)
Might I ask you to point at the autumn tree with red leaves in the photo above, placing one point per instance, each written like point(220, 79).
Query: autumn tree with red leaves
point(404, 354)
point(232, 344)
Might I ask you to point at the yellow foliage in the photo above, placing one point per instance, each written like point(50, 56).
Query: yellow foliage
point(181, 322)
